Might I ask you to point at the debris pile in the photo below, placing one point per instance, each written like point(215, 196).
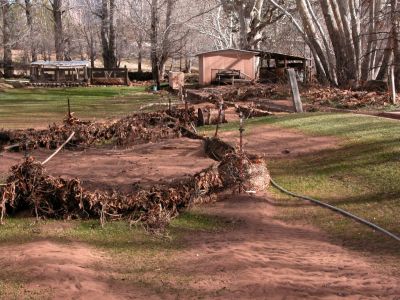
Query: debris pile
point(30, 188)
point(133, 129)
point(249, 173)
point(237, 93)
point(346, 99)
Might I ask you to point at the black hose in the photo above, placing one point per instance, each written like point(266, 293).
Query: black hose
point(337, 210)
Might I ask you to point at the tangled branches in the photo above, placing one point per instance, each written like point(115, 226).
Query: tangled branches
point(29, 187)
point(133, 129)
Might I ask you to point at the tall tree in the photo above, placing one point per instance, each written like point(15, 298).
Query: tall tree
point(253, 16)
point(108, 36)
point(57, 12)
point(155, 62)
point(7, 53)
point(29, 22)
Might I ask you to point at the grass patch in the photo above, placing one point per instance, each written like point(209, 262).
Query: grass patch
point(361, 176)
point(33, 107)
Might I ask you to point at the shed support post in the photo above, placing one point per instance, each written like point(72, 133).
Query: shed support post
point(91, 75)
point(57, 74)
point(85, 74)
point(126, 76)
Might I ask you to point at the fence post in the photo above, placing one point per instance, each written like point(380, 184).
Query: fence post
point(295, 91)
point(392, 85)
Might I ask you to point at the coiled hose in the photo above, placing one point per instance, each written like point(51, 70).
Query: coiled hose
point(337, 210)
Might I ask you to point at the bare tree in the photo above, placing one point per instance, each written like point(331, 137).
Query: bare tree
point(7, 55)
point(108, 36)
point(57, 12)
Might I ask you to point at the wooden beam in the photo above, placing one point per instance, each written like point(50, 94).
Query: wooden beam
point(295, 91)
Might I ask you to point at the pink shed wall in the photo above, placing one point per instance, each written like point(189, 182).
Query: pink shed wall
point(245, 62)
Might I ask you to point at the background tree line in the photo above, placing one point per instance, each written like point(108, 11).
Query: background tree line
point(349, 41)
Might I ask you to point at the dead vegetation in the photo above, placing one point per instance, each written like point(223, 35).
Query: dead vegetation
point(237, 93)
point(31, 188)
point(130, 130)
point(333, 97)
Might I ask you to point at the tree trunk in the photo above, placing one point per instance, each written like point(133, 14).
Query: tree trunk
point(311, 32)
point(7, 55)
point(29, 22)
point(165, 46)
point(108, 37)
point(395, 41)
point(154, 43)
point(188, 64)
point(368, 55)
point(140, 54)
point(58, 29)
point(338, 42)
point(387, 56)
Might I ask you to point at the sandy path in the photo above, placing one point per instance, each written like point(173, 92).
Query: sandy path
point(61, 271)
point(264, 258)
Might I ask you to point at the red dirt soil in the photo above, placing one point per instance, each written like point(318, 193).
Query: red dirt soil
point(261, 258)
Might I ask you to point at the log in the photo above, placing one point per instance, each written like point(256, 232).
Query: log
point(217, 149)
point(252, 112)
point(208, 116)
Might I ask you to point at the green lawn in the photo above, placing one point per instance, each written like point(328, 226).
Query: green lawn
point(361, 176)
point(21, 108)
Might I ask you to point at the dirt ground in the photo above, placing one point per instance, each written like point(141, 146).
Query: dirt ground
point(261, 258)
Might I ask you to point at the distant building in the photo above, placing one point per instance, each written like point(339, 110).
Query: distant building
point(228, 65)
point(59, 71)
point(241, 66)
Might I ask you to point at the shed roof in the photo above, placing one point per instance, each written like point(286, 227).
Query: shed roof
point(61, 64)
point(280, 56)
point(229, 50)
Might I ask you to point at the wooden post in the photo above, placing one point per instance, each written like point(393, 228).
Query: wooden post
point(85, 73)
point(126, 76)
point(295, 91)
point(57, 74)
point(392, 85)
point(305, 79)
point(91, 75)
point(32, 76)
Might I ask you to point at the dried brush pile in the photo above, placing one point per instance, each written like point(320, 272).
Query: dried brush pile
point(133, 129)
point(347, 99)
point(30, 188)
point(237, 93)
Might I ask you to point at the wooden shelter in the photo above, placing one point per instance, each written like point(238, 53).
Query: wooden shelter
point(61, 72)
point(273, 66)
point(227, 66)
